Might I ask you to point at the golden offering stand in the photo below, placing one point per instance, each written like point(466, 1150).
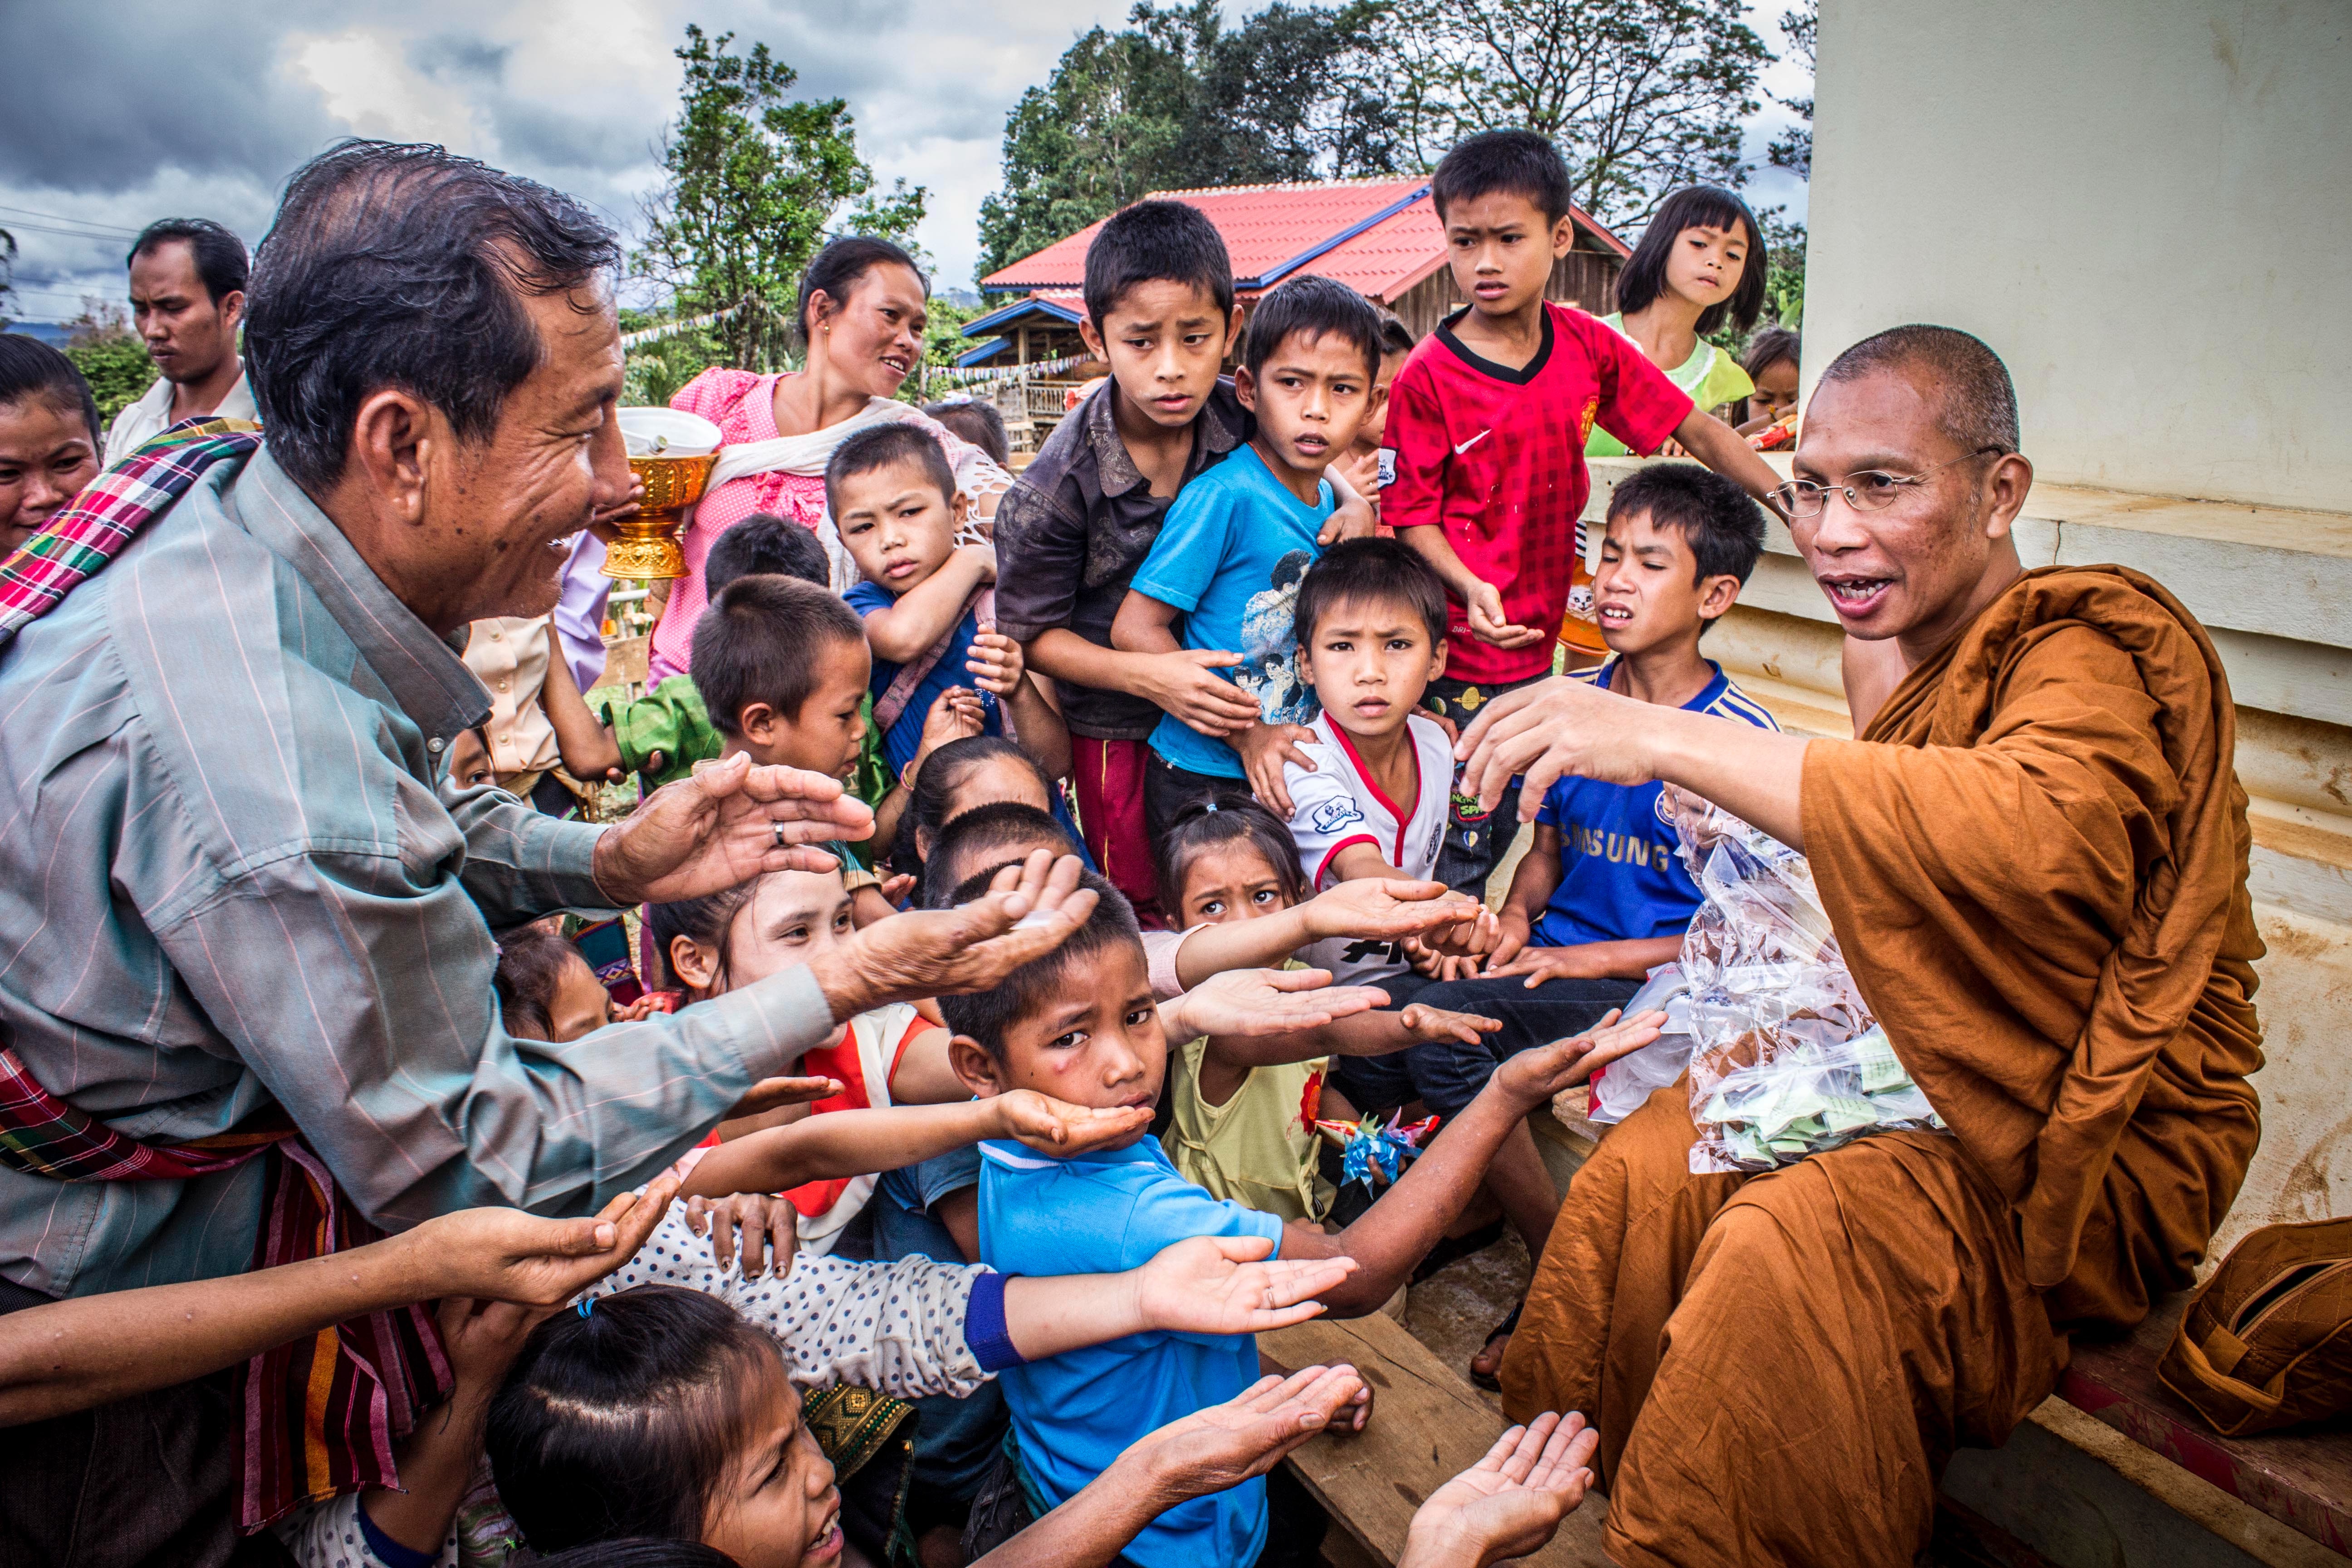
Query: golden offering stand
point(672, 453)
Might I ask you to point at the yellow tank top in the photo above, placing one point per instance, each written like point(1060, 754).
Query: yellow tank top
point(1259, 1147)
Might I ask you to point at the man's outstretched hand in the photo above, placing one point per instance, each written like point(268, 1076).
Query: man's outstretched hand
point(728, 823)
point(1226, 1444)
point(1509, 1503)
point(1029, 910)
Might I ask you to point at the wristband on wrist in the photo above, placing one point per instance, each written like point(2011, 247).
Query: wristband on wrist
point(984, 1327)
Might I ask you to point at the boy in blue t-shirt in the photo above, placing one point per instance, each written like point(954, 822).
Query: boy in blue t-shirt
point(926, 601)
point(1237, 542)
point(1601, 896)
point(1082, 1020)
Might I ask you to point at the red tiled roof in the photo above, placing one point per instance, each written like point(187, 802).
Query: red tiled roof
point(1275, 230)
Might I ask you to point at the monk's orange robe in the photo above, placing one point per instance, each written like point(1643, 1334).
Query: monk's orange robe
point(2035, 862)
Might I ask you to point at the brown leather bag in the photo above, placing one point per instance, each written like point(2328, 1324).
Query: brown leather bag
point(2267, 1341)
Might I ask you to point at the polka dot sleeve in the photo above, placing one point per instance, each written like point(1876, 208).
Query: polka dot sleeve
point(898, 1327)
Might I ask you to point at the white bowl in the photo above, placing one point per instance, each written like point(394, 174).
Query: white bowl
point(671, 432)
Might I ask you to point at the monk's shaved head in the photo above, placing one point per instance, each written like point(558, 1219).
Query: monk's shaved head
point(1976, 402)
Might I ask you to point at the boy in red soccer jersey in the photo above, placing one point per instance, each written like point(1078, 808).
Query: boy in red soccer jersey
point(1488, 421)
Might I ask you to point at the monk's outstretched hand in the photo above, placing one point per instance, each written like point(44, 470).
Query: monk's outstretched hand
point(728, 824)
point(1553, 728)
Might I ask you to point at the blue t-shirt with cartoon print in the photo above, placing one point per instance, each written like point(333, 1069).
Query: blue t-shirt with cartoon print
point(1234, 547)
point(1621, 872)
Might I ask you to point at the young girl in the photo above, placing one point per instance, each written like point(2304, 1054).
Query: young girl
point(49, 437)
point(1244, 1109)
point(1771, 364)
point(973, 772)
point(547, 991)
point(1701, 263)
point(892, 1055)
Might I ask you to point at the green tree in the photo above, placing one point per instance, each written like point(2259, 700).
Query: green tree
point(754, 180)
point(1793, 149)
point(109, 356)
point(1180, 101)
point(1642, 96)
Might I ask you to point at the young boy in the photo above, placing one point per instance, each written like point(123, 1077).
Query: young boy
point(1369, 464)
point(1488, 421)
point(1601, 896)
point(926, 600)
point(1229, 556)
point(1080, 1023)
point(1080, 518)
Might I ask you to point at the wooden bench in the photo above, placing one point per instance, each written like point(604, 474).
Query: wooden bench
point(1428, 1426)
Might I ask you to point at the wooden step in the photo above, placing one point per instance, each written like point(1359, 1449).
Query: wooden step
point(1428, 1426)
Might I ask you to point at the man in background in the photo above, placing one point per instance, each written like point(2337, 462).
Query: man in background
point(187, 296)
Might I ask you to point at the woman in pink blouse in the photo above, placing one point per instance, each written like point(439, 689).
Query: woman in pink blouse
point(861, 309)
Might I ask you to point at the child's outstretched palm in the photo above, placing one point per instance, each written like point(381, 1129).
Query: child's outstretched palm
point(1215, 1285)
point(1057, 1127)
point(1535, 1076)
point(1510, 1502)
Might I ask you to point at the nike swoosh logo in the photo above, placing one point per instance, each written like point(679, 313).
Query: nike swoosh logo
point(1473, 441)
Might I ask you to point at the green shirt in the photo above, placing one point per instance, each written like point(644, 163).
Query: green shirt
point(1712, 377)
point(673, 719)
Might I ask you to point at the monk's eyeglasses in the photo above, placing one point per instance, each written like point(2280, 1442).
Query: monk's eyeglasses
point(1872, 489)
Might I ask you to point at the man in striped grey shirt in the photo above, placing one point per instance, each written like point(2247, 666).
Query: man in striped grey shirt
point(232, 871)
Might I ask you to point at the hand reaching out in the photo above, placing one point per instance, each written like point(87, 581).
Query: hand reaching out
point(1247, 1435)
point(1509, 1504)
point(775, 1093)
point(506, 1255)
point(1217, 1285)
point(1265, 1002)
point(1057, 1127)
point(955, 715)
point(1383, 908)
point(1533, 1077)
point(995, 663)
point(1489, 624)
point(1428, 1024)
point(1028, 910)
point(761, 1229)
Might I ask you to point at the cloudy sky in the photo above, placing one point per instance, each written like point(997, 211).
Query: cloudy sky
point(157, 108)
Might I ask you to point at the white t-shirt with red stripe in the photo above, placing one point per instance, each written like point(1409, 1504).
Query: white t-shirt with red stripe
point(1339, 803)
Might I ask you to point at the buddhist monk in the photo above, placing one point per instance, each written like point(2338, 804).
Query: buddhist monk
point(2034, 857)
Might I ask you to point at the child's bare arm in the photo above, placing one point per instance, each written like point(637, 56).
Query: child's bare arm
point(859, 1142)
point(1532, 886)
point(1374, 1034)
point(1399, 1230)
point(1144, 625)
point(926, 612)
point(1468, 929)
point(1390, 908)
point(1722, 448)
point(1180, 683)
point(1208, 1285)
point(1481, 599)
point(588, 749)
point(1628, 960)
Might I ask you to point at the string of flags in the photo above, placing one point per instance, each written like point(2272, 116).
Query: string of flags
point(937, 377)
point(661, 329)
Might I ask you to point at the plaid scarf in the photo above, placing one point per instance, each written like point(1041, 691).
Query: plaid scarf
point(321, 1413)
point(104, 518)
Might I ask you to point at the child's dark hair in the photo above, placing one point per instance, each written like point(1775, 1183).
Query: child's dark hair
point(1311, 306)
point(1503, 162)
point(1156, 242)
point(977, 422)
point(932, 800)
point(1644, 277)
point(887, 446)
point(531, 962)
point(1396, 338)
point(706, 920)
point(758, 643)
point(998, 830)
point(31, 368)
point(626, 1420)
point(1360, 570)
point(1227, 817)
point(1723, 527)
point(639, 1552)
point(765, 544)
point(1768, 347)
point(986, 1016)
point(840, 266)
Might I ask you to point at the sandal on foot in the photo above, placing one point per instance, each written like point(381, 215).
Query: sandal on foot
point(1504, 1330)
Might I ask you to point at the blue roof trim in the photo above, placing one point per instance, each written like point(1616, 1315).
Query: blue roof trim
point(1019, 308)
point(986, 351)
point(1275, 274)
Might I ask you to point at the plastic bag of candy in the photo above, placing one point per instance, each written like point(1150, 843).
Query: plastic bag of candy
point(1786, 1059)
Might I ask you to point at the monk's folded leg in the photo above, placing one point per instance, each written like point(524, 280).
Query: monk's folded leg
point(1588, 1339)
point(1846, 1323)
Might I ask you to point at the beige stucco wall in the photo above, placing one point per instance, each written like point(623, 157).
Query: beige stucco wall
point(2144, 206)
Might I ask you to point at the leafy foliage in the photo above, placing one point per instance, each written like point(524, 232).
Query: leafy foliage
point(118, 369)
point(755, 179)
point(1793, 149)
point(1642, 96)
point(1180, 101)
